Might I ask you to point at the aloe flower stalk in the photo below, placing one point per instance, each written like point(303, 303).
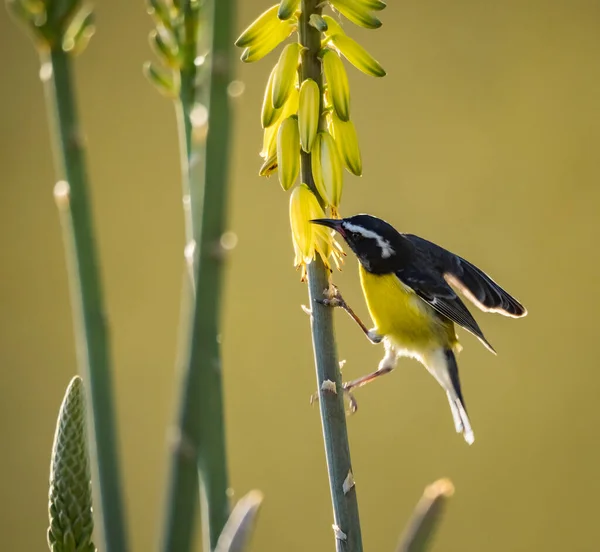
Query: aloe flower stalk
point(307, 121)
point(196, 75)
point(62, 29)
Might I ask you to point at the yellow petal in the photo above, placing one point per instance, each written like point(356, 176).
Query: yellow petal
point(310, 239)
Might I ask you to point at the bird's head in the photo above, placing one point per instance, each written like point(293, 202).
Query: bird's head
point(375, 242)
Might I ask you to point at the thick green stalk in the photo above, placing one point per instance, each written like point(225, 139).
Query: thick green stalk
point(333, 416)
point(201, 423)
point(88, 308)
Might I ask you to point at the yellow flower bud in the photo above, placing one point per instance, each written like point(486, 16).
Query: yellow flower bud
point(357, 12)
point(327, 170)
point(345, 136)
point(285, 74)
point(288, 152)
point(308, 113)
point(260, 28)
point(268, 113)
point(331, 170)
point(266, 43)
point(269, 149)
point(357, 56)
point(337, 82)
point(269, 141)
point(300, 216)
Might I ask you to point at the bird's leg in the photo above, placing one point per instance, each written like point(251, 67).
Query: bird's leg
point(387, 364)
point(334, 299)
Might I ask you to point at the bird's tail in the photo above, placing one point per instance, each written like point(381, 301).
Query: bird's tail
point(456, 400)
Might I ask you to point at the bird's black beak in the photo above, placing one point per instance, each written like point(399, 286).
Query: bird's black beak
point(335, 224)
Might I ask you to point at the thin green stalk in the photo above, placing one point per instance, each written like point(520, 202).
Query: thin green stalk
point(333, 416)
point(183, 490)
point(88, 308)
point(184, 106)
point(201, 423)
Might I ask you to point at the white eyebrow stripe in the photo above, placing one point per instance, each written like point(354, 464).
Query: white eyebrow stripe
point(386, 249)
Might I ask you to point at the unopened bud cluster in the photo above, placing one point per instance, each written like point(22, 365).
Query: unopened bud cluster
point(301, 115)
point(65, 25)
point(174, 41)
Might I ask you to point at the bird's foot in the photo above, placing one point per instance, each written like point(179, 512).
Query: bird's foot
point(352, 402)
point(329, 386)
point(333, 298)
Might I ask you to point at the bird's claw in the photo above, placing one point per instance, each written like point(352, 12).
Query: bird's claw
point(333, 298)
point(352, 402)
point(333, 302)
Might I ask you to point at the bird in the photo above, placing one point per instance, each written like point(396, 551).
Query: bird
point(408, 283)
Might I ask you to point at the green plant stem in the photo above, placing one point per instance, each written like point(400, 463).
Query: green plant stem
point(88, 308)
point(333, 416)
point(201, 419)
point(182, 503)
point(184, 106)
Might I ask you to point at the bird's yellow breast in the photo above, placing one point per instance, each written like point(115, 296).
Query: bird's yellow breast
point(399, 314)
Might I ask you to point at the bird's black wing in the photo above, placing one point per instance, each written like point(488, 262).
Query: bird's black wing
point(475, 284)
point(436, 292)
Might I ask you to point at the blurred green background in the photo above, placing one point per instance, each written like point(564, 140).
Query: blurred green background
point(484, 137)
